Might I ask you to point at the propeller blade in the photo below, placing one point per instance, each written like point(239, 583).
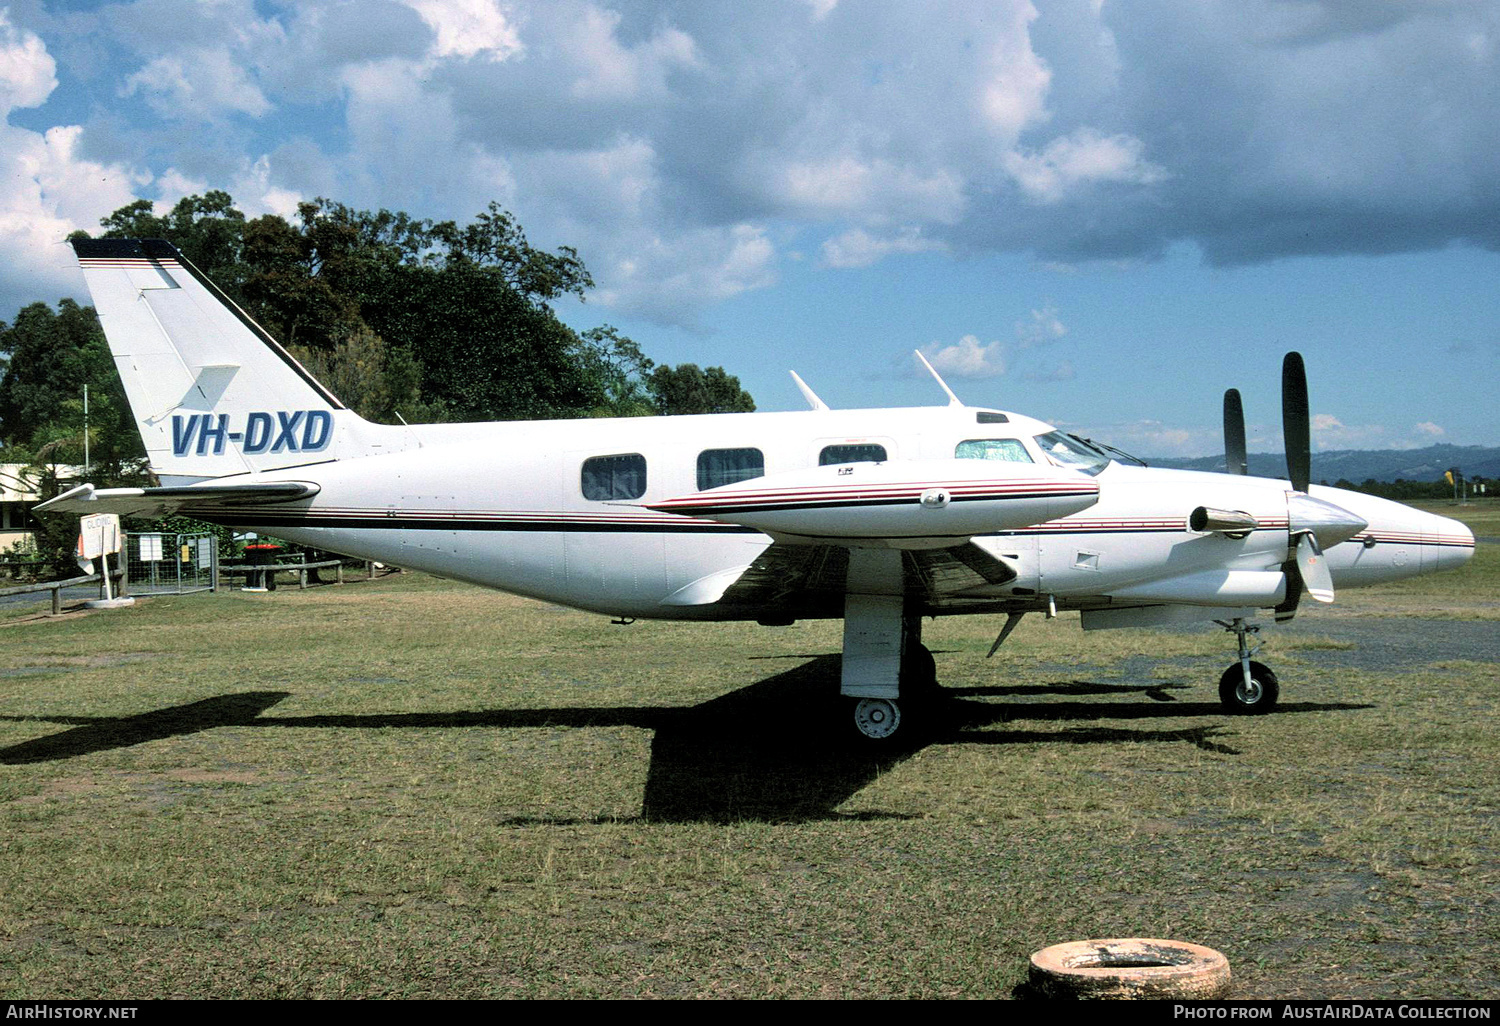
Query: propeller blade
point(1235, 459)
point(1314, 569)
point(1296, 426)
point(1288, 607)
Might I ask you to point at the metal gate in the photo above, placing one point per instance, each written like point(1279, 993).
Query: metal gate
point(161, 563)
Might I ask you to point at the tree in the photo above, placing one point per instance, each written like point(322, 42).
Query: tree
point(372, 379)
point(51, 357)
point(206, 229)
point(621, 373)
point(687, 389)
point(433, 319)
point(494, 241)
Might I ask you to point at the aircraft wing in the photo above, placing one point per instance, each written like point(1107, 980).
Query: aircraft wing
point(155, 502)
point(807, 580)
point(925, 513)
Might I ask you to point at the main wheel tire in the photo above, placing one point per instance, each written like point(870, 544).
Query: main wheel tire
point(877, 720)
point(921, 664)
point(919, 674)
point(1130, 969)
point(1259, 697)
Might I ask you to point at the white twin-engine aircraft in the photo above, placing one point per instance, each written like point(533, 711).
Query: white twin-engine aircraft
point(881, 517)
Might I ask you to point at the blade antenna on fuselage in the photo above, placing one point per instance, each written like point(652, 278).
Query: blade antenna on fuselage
point(953, 400)
point(808, 394)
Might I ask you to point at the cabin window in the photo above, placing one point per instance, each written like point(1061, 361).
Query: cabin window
point(614, 477)
point(833, 454)
point(1008, 450)
point(726, 466)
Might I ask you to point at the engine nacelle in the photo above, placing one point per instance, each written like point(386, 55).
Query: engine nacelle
point(914, 499)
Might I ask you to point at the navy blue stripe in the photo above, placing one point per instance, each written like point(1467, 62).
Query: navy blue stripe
point(403, 523)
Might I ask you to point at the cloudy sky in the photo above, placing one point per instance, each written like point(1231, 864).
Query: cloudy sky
point(1099, 212)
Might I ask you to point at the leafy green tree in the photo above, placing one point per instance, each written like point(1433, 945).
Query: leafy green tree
point(495, 242)
point(487, 353)
point(285, 291)
point(372, 379)
point(51, 357)
point(620, 371)
point(446, 321)
point(206, 229)
point(688, 389)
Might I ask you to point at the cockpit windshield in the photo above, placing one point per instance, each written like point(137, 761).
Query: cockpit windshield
point(1071, 451)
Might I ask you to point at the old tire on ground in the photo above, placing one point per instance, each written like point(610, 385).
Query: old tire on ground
point(1129, 969)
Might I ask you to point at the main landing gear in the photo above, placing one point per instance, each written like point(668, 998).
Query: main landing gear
point(879, 719)
point(1247, 687)
point(889, 677)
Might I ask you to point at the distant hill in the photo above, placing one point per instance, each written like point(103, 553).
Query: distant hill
point(1359, 466)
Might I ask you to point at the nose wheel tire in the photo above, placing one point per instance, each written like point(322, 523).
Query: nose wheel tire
point(1254, 697)
point(876, 719)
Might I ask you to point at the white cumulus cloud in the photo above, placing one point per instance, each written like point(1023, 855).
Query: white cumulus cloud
point(469, 28)
point(203, 84)
point(1040, 328)
point(27, 71)
point(971, 358)
point(967, 358)
point(47, 188)
point(858, 248)
point(1082, 157)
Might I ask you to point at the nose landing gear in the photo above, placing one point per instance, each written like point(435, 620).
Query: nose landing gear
point(1247, 687)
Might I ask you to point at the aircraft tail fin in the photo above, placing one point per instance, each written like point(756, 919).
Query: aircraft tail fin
point(212, 393)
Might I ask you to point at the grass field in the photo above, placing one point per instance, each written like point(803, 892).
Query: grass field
point(413, 788)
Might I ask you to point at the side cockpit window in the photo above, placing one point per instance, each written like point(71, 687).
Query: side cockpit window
point(834, 454)
point(726, 466)
point(608, 478)
point(1071, 451)
point(1009, 450)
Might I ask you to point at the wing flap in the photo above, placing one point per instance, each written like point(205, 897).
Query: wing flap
point(808, 580)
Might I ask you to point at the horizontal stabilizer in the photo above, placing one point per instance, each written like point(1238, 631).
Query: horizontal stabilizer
point(155, 502)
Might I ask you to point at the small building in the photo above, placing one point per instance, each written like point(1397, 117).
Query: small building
point(20, 489)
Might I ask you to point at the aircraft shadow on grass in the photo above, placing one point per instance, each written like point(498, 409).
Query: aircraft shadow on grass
point(765, 752)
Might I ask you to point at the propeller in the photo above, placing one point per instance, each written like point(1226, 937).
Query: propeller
point(1312, 522)
point(1235, 459)
point(1296, 424)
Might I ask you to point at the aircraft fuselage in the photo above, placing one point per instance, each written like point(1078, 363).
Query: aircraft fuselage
point(504, 505)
